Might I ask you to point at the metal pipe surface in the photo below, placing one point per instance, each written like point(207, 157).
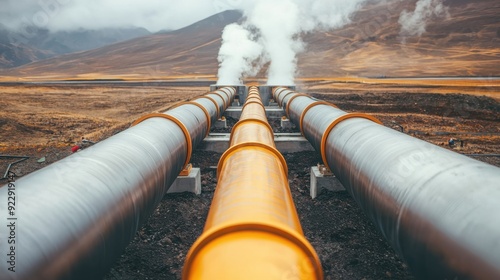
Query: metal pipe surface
point(252, 230)
point(74, 217)
point(438, 209)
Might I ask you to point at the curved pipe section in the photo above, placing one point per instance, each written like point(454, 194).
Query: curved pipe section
point(438, 209)
point(76, 216)
point(252, 230)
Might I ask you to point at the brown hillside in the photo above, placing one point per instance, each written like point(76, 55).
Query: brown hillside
point(465, 44)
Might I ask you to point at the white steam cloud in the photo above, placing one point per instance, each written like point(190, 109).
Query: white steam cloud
point(69, 15)
point(277, 26)
point(414, 23)
point(236, 54)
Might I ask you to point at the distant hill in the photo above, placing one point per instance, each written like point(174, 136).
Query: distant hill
point(192, 50)
point(465, 44)
point(18, 48)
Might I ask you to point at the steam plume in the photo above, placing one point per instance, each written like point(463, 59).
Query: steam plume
point(277, 26)
point(236, 55)
point(414, 23)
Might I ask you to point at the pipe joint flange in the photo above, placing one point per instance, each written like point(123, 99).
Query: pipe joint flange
point(207, 114)
point(337, 121)
point(179, 124)
point(277, 92)
point(302, 116)
point(256, 101)
point(287, 109)
point(216, 105)
point(278, 230)
point(281, 99)
point(241, 122)
point(251, 144)
point(228, 102)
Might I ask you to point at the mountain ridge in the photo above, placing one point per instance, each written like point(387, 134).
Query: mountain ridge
point(465, 44)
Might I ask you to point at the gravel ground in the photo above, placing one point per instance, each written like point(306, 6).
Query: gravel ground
point(347, 243)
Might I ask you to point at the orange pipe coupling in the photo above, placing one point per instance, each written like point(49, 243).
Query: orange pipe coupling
point(252, 230)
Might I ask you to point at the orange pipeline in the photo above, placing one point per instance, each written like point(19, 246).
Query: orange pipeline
point(252, 230)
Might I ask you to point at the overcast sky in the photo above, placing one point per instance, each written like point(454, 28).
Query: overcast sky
point(154, 15)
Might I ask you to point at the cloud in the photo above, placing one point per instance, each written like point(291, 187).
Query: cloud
point(236, 55)
point(414, 23)
point(277, 26)
point(58, 15)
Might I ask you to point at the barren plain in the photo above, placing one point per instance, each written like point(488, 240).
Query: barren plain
point(46, 120)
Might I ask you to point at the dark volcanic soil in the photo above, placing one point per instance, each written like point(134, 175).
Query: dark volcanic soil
point(347, 243)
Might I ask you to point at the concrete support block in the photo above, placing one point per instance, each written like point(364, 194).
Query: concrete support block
point(189, 183)
point(215, 142)
point(220, 123)
point(285, 143)
point(320, 181)
point(286, 123)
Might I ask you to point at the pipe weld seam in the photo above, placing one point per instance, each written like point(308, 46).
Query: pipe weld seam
point(241, 122)
point(278, 96)
point(302, 116)
point(216, 105)
point(256, 101)
point(275, 229)
point(222, 97)
point(277, 91)
point(248, 144)
point(336, 122)
point(287, 109)
point(281, 99)
point(228, 100)
point(179, 124)
point(207, 114)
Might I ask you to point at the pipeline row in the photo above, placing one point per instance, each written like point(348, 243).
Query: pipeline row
point(438, 209)
point(252, 230)
point(77, 215)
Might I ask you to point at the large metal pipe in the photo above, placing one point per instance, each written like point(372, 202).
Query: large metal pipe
point(252, 230)
point(438, 209)
point(75, 217)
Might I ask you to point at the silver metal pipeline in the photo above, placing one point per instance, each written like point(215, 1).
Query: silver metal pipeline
point(73, 218)
point(438, 209)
